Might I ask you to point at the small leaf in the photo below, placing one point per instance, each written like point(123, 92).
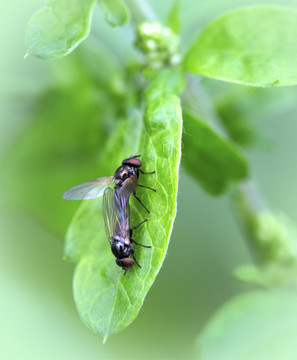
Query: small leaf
point(253, 326)
point(254, 46)
point(58, 28)
point(108, 301)
point(115, 11)
point(210, 158)
point(173, 18)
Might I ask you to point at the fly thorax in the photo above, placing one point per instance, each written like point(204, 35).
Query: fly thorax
point(123, 173)
point(121, 248)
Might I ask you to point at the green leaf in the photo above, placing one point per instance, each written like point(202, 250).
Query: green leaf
point(210, 158)
point(254, 326)
point(58, 28)
point(115, 11)
point(108, 301)
point(254, 46)
point(173, 18)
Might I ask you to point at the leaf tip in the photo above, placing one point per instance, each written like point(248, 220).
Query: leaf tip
point(27, 54)
point(104, 339)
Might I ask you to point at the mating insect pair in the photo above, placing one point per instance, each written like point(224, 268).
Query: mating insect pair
point(116, 207)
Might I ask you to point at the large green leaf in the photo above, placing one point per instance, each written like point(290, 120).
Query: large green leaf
point(211, 159)
point(58, 28)
point(108, 301)
point(254, 326)
point(115, 11)
point(254, 46)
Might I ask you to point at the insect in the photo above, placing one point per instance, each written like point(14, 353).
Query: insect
point(125, 177)
point(116, 211)
point(116, 208)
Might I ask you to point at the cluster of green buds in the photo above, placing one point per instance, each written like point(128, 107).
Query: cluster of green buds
point(276, 238)
point(158, 43)
point(272, 237)
point(271, 234)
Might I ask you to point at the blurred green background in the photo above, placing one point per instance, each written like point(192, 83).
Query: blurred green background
point(38, 316)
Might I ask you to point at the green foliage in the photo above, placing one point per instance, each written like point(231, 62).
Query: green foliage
point(210, 158)
point(173, 18)
point(270, 276)
point(115, 11)
point(60, 145)
point(252, 46)
point(91, 119)
point(107, 300)
point(272, 235)
point(234, 108)
point(253, 326)
point(242, 109)
point(58, 28)
point(276, 236)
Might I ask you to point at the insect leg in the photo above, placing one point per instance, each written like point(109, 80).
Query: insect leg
point(147, 173)
point(139, 244)
point(126, 269)
point(137, 198)
point(135, 227)
point(132, 252)
point(146, 187)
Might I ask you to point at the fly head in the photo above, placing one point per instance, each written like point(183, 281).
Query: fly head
point(125, 263)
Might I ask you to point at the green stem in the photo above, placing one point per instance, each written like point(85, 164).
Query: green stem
point(247, 203)
point(198, 102)
point(246, 199)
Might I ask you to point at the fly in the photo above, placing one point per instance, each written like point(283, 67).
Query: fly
point(116, 208)
point(116, 211)
point(125, 178)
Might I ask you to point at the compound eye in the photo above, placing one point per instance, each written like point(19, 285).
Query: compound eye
point(127, 262)
point(119, 262)
point(132, 162)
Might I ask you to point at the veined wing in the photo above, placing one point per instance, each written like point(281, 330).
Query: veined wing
point(116, 213)
point(88, 190)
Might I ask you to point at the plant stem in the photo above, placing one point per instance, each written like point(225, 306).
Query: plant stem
point(246, 199)
point(247, 203)
point(199, 103)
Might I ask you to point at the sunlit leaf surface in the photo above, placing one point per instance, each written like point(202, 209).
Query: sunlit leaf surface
point(254, 46)
point(58, 28)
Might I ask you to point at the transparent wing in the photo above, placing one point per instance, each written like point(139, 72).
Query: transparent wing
point(88, 190)
point(116, 213)
point(109, 212)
